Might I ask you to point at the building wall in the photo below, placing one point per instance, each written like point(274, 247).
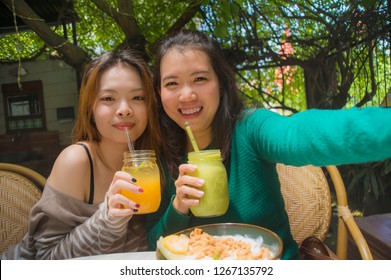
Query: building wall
point(59, 89)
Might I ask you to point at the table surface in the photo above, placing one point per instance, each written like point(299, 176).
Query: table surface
point(149, 255)
point(376, 230)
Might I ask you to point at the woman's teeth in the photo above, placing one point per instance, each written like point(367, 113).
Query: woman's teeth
point(191, 110)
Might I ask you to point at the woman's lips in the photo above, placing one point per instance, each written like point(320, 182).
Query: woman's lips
point(121, 126)
point(190, 111)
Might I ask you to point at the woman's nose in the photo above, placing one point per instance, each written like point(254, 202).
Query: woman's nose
point(187, 94)
point(124, 109)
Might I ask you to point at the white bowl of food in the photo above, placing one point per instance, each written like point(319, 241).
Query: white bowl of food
point(225, 241)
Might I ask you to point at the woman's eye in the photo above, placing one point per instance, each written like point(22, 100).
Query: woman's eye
point(107, 98)
point(200, 79)
point(171, 84)
point(138, 98)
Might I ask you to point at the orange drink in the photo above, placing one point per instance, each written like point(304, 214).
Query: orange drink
point(141, 164)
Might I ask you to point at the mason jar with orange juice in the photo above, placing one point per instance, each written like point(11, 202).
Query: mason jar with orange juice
point(141, 164)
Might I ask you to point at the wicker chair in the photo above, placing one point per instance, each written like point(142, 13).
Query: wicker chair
point(20, 189)
point(308, 203)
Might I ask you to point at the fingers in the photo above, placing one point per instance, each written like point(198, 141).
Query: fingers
point(122, 202)
point(189, 195)
point(121, 181)
point(183, 168)
point(117, 203)
point(187, 189)
point(184, 179)
point(121, 212)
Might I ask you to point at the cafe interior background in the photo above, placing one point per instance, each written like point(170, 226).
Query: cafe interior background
point(38, 100)
point(36, 121)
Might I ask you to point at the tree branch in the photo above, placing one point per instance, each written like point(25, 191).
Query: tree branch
point(72, 54)
point(125, 18)
point(186, 17)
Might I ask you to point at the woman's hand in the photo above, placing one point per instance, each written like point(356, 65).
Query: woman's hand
point(187, 186)
point(117, 204)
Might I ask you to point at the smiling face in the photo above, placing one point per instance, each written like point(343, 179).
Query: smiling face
point(119, 104)
point(190, 91)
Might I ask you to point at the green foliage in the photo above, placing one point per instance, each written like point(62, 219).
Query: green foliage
point(252, 32)
point(262, 90)
point(25, 46)
point(367, 3)
point(361, 85)
point(97, 32)
point(367, 182)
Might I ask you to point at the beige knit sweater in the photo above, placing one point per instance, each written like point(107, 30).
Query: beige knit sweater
point(62, 227)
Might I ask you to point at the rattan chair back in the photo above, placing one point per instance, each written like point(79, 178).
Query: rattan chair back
point(307, 198)
point(20, 189)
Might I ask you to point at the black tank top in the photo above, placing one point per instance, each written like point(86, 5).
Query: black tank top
point(91, 198)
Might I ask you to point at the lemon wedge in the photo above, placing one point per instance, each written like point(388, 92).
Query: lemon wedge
point(177, 244)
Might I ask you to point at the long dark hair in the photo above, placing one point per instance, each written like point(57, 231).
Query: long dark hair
point(229, 109)
point(85, 128)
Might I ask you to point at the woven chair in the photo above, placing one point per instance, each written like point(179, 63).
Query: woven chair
point(20, 189)
point(307, 198)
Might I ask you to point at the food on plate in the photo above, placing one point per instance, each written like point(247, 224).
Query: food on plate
point(177, 244)
point(203, 246)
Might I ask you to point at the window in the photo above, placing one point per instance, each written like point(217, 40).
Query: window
point(24, 109)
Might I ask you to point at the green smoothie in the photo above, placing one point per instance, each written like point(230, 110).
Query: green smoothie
point(211, 169)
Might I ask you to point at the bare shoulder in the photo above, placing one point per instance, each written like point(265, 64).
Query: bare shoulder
point(70, 172)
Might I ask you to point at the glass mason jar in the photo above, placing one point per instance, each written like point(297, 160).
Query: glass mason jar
point(211, 169)
point(141, 164)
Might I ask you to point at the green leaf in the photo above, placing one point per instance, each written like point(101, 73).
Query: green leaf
point(234, 10)
point(367, 185)
point(225, 11)
point(374, 185)
point(221, 30)
point(387, 167)
point(367, 3)
point(357, 177)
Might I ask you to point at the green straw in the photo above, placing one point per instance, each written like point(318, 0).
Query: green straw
point(191, 136)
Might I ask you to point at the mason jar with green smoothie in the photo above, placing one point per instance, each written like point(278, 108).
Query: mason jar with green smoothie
point(211, 169)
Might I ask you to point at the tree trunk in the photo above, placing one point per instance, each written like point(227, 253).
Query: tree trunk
point(321, 84)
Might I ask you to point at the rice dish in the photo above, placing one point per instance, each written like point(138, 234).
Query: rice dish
point(203, 246)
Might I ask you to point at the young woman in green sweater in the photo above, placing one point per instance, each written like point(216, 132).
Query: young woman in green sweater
point(195, 84)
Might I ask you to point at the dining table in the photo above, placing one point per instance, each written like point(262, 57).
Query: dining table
point(376, 230)
point(147, 255)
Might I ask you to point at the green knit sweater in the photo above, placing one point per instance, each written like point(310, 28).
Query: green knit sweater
point(260, 140)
